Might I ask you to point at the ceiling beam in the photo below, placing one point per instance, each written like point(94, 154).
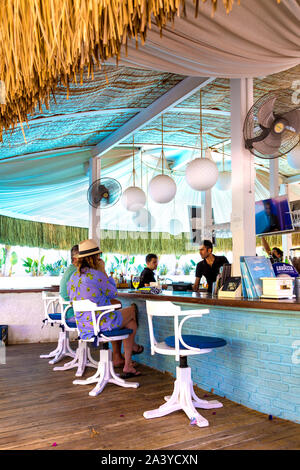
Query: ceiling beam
point(206, 112)
point(110, 111)
point(163, 104)
point(79, 115)
point(292, 179)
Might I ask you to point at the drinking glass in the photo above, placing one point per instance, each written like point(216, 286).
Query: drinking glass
point(135, 281)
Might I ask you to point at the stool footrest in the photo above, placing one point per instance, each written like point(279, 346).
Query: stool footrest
point(184, 398)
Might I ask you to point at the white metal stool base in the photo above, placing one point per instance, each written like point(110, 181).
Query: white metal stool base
point(105, 374)
point(82, 359)
point(184, 398)
point(63, 349)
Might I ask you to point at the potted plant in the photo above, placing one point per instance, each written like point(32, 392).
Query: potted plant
point(2, 259)
point(13, 262)
point(34, 266)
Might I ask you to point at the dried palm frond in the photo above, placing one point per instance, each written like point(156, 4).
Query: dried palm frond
point(44, 42)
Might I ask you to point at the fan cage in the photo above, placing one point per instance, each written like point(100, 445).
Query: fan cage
point(114, 189)
point(283, 104)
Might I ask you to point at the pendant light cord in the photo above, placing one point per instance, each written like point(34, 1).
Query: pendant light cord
point(223, 156)
point(162, 144)
point(201, 135)
point(141, 169)
point(133, 168)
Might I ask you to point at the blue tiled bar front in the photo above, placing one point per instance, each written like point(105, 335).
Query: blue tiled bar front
point(259, 367)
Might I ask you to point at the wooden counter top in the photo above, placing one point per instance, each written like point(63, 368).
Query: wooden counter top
point(29, 290)
point(190, 298)
point(207, 299)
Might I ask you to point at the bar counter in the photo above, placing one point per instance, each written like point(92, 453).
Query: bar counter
point(260, 365)
point(207, 299)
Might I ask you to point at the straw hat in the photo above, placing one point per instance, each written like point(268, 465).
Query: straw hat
point(88, 248)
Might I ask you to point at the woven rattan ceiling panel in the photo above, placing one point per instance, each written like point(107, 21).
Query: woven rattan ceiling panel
point(130, 90)
point(112, 87)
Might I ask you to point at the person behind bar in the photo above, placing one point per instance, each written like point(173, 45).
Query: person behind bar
point(147, 275)
point(275, 255)
point(209, 267)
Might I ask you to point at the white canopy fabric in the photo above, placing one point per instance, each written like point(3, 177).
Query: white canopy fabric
point(53, 188)
point(257, 38)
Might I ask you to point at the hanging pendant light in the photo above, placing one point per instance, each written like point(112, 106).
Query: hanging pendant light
point(162, 188)
point(201, 173)
point(176, 226)
point(143, 219)
point(224, 179)
point(133, 198)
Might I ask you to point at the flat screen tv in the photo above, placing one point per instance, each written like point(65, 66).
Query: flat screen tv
point(273, 216)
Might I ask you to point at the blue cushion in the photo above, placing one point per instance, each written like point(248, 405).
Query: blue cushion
point(71, 324)
point(55, 316)
point(201, 342)
point(117, 332)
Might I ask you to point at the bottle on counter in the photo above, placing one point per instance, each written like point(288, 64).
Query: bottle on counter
point(297, 288)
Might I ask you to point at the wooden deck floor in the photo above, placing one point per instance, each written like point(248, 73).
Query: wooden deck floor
point(39, 407)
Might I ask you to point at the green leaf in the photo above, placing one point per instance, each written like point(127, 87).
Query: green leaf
point(13, 258)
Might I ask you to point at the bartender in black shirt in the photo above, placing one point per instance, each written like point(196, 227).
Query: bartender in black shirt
point(147, 275)
point(209, 267)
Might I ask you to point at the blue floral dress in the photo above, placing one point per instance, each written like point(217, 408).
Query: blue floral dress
point(95, 286)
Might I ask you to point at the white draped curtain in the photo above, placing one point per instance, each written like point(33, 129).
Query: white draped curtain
point(257, 38)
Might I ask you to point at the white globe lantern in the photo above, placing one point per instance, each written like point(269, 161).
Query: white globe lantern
point(162, 189)
point(176, 227)
point(133, 198)
point(201, 174)
point(293, 158)
point(224, 181)
point(143, 219)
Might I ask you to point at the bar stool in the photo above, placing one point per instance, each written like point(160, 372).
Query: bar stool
point(63, 349)
point(181, 346)
point(82, 357)
point(105, 373)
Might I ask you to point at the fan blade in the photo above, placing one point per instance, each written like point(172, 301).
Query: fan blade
point(265, 114)
point(293, 118)
point(268, 146)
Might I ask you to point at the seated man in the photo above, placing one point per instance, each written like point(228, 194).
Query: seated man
point(63, 292)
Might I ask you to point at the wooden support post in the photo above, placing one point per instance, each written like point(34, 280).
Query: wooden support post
point(94, 213)
point(242, 165)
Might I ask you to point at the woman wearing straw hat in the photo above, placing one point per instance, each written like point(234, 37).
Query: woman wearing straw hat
point(90, 281)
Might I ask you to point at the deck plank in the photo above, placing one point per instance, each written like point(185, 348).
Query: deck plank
point(40, 407)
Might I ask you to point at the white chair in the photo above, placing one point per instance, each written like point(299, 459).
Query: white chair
point(181, 346)
point(52, 315)
point(82, 357)
point(105, 373)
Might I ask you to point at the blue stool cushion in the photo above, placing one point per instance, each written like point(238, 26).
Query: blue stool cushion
point(55, 316)
point(117, 332)
point(71, 324)
point(201, 342)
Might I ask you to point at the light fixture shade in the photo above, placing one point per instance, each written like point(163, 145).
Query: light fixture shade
point(293, 158)
point(224, 181)
point(176, 227)
point(133, 198)
point(162, 189)
point(143, 219)
point(201, 174)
